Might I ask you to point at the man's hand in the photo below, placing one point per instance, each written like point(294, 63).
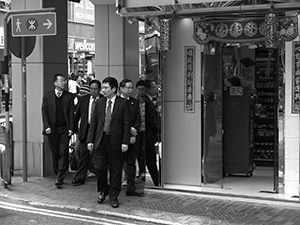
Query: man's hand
point(133, 131)
point(70, 133)
point(90, 147)
point(48, 130)
point(132, 140)
point(124, 148)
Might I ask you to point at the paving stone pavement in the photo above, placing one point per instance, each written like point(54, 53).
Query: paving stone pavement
point(157, 206)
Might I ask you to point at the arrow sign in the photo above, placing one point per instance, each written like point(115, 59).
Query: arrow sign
point(48, 24)
point(33, 24)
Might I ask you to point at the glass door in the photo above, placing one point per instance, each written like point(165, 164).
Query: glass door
point(212, 115)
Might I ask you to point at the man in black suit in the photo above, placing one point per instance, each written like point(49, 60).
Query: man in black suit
point(126, 88)
point(108, 137)
point(58, 121)
point(83, 112)
point(140, 87)
point(153, 128)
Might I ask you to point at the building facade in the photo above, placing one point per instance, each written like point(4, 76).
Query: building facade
point(192, 79)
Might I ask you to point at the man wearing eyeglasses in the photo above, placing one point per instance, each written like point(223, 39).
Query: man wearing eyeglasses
point(126, 88)
point(58, 121)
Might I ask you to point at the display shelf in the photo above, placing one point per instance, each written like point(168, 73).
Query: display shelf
point(265, 107)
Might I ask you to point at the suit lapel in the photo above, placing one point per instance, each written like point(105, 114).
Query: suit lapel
point(102, 102)
point(116, 106)
point(86, 103)
point(52, 101)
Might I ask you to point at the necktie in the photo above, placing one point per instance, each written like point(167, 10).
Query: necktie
point(92, 108)
point(107, 117)
point(59, 93)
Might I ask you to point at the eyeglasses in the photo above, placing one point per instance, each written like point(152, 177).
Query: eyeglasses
point(129, 88)
point(62, 80)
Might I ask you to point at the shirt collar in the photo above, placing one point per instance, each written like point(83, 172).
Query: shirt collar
point(149, 96)
point(56, 91)
point(122, 96)
point(92, 97)
point(113, 99)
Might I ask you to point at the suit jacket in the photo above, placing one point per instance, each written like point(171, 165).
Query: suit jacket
point(152, 121)
point(82, 114)
point(49, 111)
point(119, 125)
point(135, 114)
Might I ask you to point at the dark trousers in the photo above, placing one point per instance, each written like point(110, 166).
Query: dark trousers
point(84, 161)
point(141, 152)
point(151, 162)
point(106, 158)
point(130, 170)
point(59, 147)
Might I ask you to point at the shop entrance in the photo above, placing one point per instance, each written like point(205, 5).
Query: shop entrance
point(241, 117)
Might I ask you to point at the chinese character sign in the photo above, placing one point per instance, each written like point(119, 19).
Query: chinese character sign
point(296, 78)
point(189, 78)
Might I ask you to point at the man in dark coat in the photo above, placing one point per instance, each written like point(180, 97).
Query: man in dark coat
point(153, 129)
point(108, 137)
point(58, 121)
point(126, 88)
point(83, 113)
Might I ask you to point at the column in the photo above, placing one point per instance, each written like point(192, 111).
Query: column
point(117, 46)
point(48, 58)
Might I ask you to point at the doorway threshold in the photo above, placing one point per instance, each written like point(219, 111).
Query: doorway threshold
point(227, 192)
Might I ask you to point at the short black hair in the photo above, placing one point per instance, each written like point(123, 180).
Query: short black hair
point(113, 83)
point(124, 82)
point(235, 81)
point(148, 83)
point(56, 76)
point(140, 83)
point(95, 82)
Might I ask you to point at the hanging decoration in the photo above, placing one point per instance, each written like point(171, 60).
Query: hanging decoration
point(271, 30)
point(245, 31)
point(165, 34)
point(152, 46)
point(296, 77)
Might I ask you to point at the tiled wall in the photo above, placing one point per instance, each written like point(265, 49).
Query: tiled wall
point(291, 131)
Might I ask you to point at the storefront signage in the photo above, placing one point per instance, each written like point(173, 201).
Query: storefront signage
point(84, 12)
point(296, 78)
point(81, 45)
point(247, 30)
point(189, 79)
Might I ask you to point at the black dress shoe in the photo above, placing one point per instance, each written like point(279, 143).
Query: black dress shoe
point(134, 193)
point(114, 203)
point(102, 196)
point(77, 182)
point(59, 183)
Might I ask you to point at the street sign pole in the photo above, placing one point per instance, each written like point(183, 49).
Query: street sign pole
point(8, 159)
point(24, 108)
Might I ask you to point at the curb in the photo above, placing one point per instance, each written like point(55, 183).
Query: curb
point(100, 212)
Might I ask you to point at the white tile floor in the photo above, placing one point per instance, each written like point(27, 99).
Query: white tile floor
point(260, 186)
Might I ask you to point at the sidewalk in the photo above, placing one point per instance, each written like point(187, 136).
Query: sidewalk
point(157, 206)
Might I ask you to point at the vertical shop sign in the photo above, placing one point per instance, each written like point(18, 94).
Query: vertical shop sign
point(296, 78)
point(189, 79)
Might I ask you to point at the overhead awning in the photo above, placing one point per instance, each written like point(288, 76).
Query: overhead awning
point(140, 8)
